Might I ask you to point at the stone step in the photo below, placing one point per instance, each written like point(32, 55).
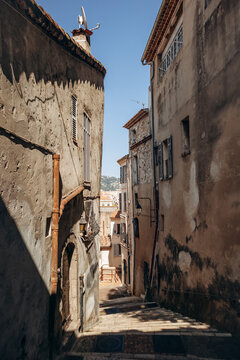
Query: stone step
point(125, 307)
point(126, 299)
point(121, 356)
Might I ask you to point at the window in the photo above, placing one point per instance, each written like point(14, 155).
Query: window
point(123, 174)
point(135, 170)
point(185, 137)
point(120, 202)
point(74, 118)
point(117, 250)
point(125, 202)
point(171, 51)
point(86, 130)
point(123, 232)
point(118, 228)
point(165, 159)
point(133, 136)
point(136, 227)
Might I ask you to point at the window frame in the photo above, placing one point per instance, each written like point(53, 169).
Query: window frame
point(165, 162)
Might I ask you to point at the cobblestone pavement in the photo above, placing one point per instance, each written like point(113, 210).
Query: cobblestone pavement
point(132, 329)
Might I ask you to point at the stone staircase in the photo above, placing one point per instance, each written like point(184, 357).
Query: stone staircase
point(129, 328)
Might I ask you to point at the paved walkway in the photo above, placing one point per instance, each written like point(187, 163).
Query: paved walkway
point(132, 329)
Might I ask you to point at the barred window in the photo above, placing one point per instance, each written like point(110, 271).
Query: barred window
point(172, 52)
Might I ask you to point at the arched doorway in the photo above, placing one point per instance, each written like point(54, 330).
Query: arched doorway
point(70, 285)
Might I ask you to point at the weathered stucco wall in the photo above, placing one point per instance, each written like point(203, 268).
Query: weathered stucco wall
point(37, 80)
point(142, 246)
point(198, 266)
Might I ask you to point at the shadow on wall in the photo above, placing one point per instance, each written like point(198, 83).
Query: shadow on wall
point(29, 51)
point(24, 298)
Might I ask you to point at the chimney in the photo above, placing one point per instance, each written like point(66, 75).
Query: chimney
point(82, 37)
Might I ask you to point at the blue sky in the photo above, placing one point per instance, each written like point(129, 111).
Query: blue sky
point(119, 45)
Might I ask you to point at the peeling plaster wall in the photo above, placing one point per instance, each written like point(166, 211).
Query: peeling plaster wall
point(198, 264)
point(37, 79)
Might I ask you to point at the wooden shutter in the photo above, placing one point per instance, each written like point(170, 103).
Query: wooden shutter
point(160, 161)
point(86, 128)
point(170, 157)
point(121, 177)
point(74, 118)
point(120, 202)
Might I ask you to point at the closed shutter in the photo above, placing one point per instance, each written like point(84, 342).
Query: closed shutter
point(121, 177)
point(86, 128)
point(115, 249)
point(120, 202)
point(135, 170)
point(125, 202)
point(160, 161)
point(74, 118)
point(170, 157)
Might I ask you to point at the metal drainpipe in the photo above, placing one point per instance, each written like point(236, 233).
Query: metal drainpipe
point(54, 267)
point(55, 224)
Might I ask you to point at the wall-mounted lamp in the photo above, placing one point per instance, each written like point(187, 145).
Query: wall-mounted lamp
point(82, 225)
point(139, 207)
point(86, 239)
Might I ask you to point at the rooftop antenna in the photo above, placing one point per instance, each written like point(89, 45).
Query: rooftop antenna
point(139, 102)
point(82, 20)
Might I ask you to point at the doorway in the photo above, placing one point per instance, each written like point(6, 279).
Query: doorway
point(70, 285)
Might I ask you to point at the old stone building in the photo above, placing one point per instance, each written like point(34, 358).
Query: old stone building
point(193, 51)
point(125, 226)
point(110, 255)
point(140, 199)
point(51, 125)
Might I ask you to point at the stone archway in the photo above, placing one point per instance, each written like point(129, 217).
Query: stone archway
point(70, 285)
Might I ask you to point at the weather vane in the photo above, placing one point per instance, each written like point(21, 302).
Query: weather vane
point(82, 20)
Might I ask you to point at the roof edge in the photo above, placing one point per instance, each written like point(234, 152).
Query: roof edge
point(136, 118)
point(125, 157)
point(160, 25)
point(40, 18)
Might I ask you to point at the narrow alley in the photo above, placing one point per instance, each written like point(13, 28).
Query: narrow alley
point(119, 180)
point(130, 328)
